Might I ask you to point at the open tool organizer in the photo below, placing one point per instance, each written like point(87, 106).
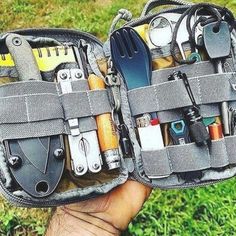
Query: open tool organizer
point(41, 118)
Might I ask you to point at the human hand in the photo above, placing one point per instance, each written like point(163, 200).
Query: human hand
point(106, 215)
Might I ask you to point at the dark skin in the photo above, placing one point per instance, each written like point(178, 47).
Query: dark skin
point(107, 215)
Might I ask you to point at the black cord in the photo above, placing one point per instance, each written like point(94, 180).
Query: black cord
point(217, 15)
point(203, 20)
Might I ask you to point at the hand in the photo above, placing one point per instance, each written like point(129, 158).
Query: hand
point(106, 215)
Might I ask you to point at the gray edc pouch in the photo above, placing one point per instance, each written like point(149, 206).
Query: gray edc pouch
point(36, 111)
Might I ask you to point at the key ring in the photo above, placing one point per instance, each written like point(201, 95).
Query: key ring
point(160, 31)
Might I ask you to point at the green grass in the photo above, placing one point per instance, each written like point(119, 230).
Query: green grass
point(202, 211)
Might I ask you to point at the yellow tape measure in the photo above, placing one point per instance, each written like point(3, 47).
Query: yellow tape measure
point(47, 58)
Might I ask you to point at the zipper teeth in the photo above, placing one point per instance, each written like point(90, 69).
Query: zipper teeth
point(59, 31)
point(194, 185)
point(17, 201)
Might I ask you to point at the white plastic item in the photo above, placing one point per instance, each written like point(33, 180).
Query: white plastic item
point(151, 137)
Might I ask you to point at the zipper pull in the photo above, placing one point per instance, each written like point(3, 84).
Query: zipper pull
point(125, 142)
point(126, 147)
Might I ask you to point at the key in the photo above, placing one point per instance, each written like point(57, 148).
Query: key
point(218, 46)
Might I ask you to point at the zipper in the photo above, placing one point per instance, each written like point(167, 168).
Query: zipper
point(196, 185)
point(43, 202)
point(136, 176)
point(17, 201)
point(59, 31)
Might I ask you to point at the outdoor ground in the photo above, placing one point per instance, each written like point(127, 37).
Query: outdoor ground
point(202, 211)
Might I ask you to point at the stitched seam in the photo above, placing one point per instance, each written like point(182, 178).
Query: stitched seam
point(90, 104)
point(169, 159)
point(208, 154)
point(199, 89)
point(157, 102)
point(227, 154)
point(27, 110)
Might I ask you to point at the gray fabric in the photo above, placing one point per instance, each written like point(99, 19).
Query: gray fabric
point(189, 157)
point(219, 155)
point(169, 95)
point(199, 68)
point(156, 164)
point(13, 109)
point(169, 116)
point(80, 85)
point(83, 123)
point(216, 175)
point(230, 142)
point(23, 115)
point(158, 97)
point(32, 129)
point(28, 108)
point(211, 110)
point(87, 124)
point(4, 168)
point(51, 107)
point(213, 88)
point(89, 103)
point(43, 41)
point(27, 87)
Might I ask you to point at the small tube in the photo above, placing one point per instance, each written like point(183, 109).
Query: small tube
point(215, 131)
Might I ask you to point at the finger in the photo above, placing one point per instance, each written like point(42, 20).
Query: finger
point(118, 207)
point(126, 202)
